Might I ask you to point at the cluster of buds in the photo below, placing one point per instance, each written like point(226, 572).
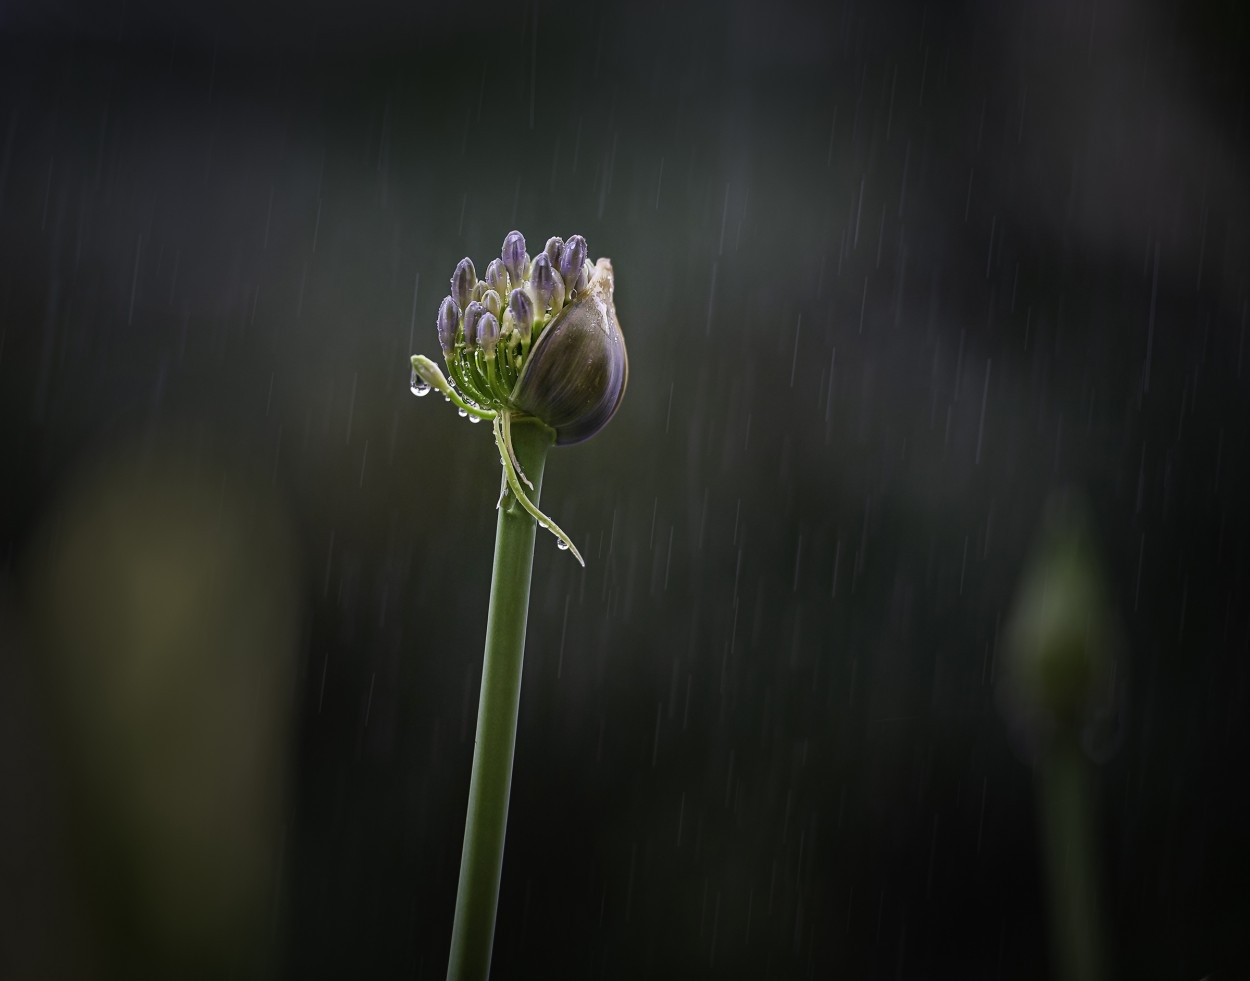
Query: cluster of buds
point(551, 353)
point(486, 338)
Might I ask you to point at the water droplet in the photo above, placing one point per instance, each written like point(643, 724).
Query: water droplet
point(463, 412)
point(418, 385)
point(562, 545)
point(475, 419)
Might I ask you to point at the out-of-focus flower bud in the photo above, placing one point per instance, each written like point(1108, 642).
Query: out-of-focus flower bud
point(1060, 639)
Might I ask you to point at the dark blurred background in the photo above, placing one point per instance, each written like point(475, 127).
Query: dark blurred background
point(890, 274)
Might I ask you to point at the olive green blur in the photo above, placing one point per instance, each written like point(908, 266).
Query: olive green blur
point(166, 623)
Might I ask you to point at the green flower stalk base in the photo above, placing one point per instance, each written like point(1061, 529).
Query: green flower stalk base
point(481, 862)
point(1071, 860)
point(535, 349)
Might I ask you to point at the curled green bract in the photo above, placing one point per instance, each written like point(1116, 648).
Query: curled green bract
point(535, 340)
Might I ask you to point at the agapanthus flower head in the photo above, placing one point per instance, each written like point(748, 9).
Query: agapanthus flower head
point(551, 352)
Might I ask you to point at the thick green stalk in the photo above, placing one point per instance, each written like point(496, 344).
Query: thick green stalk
point(473, 933)
point(1071, 859)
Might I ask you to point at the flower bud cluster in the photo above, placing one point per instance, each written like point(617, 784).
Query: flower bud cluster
point(487, 326)
point(536, 340)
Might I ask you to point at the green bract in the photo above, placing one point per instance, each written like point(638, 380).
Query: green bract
point(535, 340)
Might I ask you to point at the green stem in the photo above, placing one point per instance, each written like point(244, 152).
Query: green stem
point(1071, 860)
point(481, 862)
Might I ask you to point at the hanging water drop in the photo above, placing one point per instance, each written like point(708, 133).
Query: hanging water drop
point(562, 545)
point(463, 412)
point(475, 419)
point(418, 385)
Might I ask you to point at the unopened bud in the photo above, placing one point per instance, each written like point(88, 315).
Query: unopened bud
point(462, 282)
point(543, 280)
point(472, 315)
point(571, 262)
point(448, 321)
point(513, 255)
point(522, 310)
point(554, 249)
point(488, 332)
point(497, 276)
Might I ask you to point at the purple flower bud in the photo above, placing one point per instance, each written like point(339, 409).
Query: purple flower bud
point(497, 276)
point(472, 315)
point(522, 310)
point(462, 282)
point(513, 255)
point(572, 260)
point(554, 249)
point(448, 321)
point(488, 332)
point(491, 301)
point(543, 280)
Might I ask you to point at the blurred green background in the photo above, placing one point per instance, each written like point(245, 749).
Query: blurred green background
point(889, 275)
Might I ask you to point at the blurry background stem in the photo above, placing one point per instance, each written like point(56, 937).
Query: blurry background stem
point(1067, 824)
point(481, 862)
